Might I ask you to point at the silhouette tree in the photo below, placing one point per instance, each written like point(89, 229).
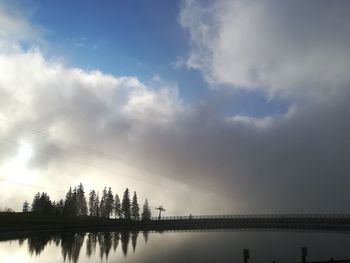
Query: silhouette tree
point(117, 207)
point(146, 211)
point(42, 205)
point(71, 203)
point(126, 205)
point(75, 204)
point(36, 204)
point(45, 203)
point(58, 207)
point(97, 205)
point(26, 207)
point(103, 203)
point(135, 208)
point(92, 200)
point(109, 206)
point(81, 201)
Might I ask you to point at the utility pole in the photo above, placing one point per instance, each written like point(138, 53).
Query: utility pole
point(160, 208)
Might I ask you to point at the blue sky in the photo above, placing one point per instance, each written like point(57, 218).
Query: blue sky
point(136, 38)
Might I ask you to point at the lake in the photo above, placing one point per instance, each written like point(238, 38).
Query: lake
point(199, 246)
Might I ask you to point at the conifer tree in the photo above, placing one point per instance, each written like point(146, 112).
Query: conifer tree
point(92, 201)
point(103, 203)
point(46, 205)
point(26, 207)
point(117, 206)
point(97, 205)
point(135, 208)
point(126, 205)
point(81, 201)
point(59, 207)
point(70, 204)
point(146, 211)
point(36, 204)
point(109, 206)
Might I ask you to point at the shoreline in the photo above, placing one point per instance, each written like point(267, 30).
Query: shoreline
point(19, 224)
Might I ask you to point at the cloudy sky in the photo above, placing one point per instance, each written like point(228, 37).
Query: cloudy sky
point(201, 106)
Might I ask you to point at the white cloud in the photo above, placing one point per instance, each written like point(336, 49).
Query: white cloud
point(105, 112)
point(255, 122)
point(291, 48)
point(15, 30)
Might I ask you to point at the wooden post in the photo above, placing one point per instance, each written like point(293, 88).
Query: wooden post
point(303, 254)
point(245, 255)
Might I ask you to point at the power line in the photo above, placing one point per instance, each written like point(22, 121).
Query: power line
point(31, 185)
point(96, 153)
point(81, 147)
point(91, 166)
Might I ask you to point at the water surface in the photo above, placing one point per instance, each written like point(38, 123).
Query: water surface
point(213, 246)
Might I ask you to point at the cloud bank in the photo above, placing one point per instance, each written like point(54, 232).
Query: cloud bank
point(180, 154)
point(285, 49)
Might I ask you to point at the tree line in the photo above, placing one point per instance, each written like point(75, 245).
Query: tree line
point(76, 204)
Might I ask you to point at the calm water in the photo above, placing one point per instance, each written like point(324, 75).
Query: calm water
point(175, 247)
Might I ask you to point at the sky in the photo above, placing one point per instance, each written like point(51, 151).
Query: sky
point(204, 107)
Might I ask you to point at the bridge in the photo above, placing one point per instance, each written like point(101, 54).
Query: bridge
point(340, 222)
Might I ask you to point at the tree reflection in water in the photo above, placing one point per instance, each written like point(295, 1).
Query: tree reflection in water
point(91, 244)
point(134, 236)
point(71, 243)
point(145, 235)
point(105, 242)
point(125, 238)
point(116, 238)
point(36, 244)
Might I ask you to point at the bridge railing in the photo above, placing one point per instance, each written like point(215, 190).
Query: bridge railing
point(257, 216)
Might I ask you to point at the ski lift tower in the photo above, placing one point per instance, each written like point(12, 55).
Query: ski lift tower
point(161, 209)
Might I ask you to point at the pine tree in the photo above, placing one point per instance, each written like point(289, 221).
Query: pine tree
point(67, 202)
point(70, 204)
point(126, 205)
point(97, 205)
point(81, 201)
point(103, 203)
point(60, 207)
point(92, 201)
point(109, 207)
point(135, 209)
point(46, 203)
point(146, 211)
point(26, 207)
point(36, 208)
point(41, 204)
point(75, 202)
point(117, 207)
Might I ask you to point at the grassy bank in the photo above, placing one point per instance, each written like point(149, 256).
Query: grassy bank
point(27, 222)
point(14, 222)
